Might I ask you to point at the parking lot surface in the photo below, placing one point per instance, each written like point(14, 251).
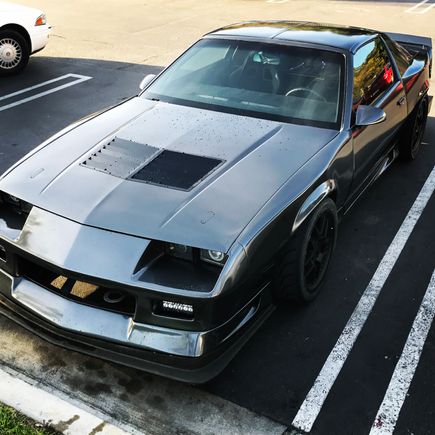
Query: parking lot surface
point(386, 245)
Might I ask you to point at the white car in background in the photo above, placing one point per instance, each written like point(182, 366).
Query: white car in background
point(23, 31)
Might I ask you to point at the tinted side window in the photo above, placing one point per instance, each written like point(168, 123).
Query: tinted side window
point(373, 73)
point(401, 56)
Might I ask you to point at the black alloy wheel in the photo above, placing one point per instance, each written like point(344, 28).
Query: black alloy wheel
point(413, 131)
point(418, 129)
point(304, 262)
point(318, 251)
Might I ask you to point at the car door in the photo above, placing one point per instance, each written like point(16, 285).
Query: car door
point(376, 82)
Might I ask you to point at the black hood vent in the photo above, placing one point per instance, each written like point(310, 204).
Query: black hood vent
point(176, 170)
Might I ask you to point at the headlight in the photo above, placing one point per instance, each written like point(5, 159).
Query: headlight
point(41, 20)
point(214, 257)
point(193, 254)
point(180, 251)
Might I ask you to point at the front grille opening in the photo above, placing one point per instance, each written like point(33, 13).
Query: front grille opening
point(14, 211)
point(115, 300)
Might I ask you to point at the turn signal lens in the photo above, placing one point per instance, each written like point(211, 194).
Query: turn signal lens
point(41, 20)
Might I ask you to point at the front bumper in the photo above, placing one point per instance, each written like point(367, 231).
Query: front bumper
point(192, 350)
point(25, 306)
point(39, 37)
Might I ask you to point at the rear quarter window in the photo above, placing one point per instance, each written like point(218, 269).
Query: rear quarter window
point(401, 56)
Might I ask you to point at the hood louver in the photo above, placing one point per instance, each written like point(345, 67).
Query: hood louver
point(120, 158)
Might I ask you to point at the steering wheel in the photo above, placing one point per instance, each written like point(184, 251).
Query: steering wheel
point(310, 91)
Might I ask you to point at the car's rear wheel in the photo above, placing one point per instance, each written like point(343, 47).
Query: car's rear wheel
point(14, 52)
point(412, 138)
point(305, 260)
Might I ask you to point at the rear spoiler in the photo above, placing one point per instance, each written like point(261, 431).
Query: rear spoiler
point(414, 44)
point(418, 42)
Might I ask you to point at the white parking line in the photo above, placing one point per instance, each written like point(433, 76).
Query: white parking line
point(427, 9)
point(388, 412)
point(413, 8)
point(416, 8)
point(313, 403)
point(80, 79)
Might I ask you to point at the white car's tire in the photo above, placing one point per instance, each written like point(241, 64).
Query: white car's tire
point(14, 52)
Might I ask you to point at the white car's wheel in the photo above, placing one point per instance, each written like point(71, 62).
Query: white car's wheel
point(14, 52)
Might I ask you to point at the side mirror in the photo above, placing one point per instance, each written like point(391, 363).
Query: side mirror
point(369, 115)
point(146, 80)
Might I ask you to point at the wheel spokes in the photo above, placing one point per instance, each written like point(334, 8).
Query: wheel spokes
point(10, 53)
point(318, 251)
point(418, 130)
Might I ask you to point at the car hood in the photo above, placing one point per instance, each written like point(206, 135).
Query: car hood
point(256, 157)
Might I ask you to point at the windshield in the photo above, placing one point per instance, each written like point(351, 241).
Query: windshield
point(278, 82)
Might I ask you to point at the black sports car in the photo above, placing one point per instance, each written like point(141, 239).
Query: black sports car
point(159, 233)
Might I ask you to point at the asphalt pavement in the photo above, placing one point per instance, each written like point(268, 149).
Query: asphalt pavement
point(264, 387)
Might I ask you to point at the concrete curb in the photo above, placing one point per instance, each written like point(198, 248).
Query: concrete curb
point(46, 408)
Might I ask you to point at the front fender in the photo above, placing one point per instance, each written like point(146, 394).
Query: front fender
point(314, 199)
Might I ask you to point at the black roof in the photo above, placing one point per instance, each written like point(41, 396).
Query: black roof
point(344, 37)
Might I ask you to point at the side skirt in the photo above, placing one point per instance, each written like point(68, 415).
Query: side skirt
point(383, 165)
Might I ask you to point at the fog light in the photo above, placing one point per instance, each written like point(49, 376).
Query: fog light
point(175, 306)
point(174, 309)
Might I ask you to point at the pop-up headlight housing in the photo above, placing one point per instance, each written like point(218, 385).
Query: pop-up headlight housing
point(193, 254)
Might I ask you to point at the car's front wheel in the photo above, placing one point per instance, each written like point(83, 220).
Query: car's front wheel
point(305, 260)
point(14, 52)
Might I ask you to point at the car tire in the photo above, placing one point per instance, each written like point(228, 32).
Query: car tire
point(305, 260)
point(14, 52)
point(413, 132)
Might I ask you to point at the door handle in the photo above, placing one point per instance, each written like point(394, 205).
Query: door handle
point(401, 101)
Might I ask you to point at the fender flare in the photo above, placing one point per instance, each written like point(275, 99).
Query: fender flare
point(312, 201)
